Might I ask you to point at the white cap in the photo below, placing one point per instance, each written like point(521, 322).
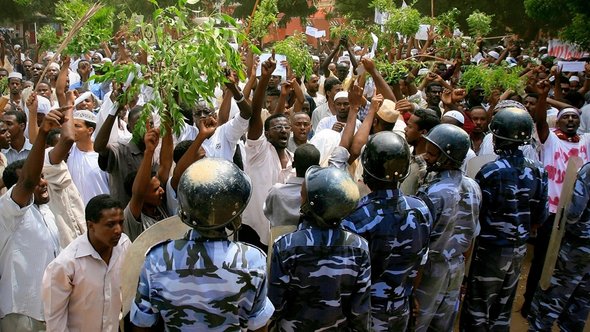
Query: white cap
point(315, 58)
point(43, 105)
point(414, 51)
point(455, 115)
point(494, 54)
point(15, 74)
point(542, 48)
point(83, 97)
point(16, 46)
point(85, 115)
point(574, 79)
point(341, 94)
point(357, 48)
point(423, 71)
point(344, 58)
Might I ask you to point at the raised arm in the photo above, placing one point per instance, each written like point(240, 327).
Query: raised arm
point(324, 67)
point(380, 83)
point(61, 85)
point(66, 138)
point(355, 98)
point(166, 155)
point(32, 127)
point(31, 171)
point(207, 127)
point(540, 114)
point(256, 125)
point(243, 104)
point(143, 176)
point(102, 138)
point(362, 135)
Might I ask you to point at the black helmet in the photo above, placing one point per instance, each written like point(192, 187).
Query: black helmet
point(331, 195)
point(386, 157)
point(212, 193)
point(451, 140)
point(512, 124)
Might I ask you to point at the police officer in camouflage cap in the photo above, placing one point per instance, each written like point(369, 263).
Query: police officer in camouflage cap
point(205, 282)
point(453, 201)
point(320, 275)
point(396, 226)
point(514, 199)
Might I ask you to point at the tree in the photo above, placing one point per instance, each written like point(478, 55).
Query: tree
point(289, 8)
point(569, 17)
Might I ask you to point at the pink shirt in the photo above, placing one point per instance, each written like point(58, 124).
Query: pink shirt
point(80, 291)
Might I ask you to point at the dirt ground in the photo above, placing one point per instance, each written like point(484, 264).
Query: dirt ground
point(519, 324)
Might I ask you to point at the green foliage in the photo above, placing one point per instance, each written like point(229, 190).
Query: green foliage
point(404, 20)
point(98, 29)
point(298, 55)
point(394, 72)
point(491, 78)
point(447, 21)
point(578, 32)
point(184, 67)
point(47, 37)
point(264, 17)
point(480, 24)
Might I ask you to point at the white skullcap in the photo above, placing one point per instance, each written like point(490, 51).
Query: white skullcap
point(574, 79)
point(494, 54)
point(344, 58)
point(15, 74)
point(455, 115)
point(85, 115)
point(315, 58)
point(341, 94)
point(43, 105)
point(16, 46)
point(566, 111)
point(423, 71)
point(53, 65)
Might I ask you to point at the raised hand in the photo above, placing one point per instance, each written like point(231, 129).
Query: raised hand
point(152, 137)
point(32, 102)
point(53, 119)
point(269, 66)
point(369, 65)
point(207, 127)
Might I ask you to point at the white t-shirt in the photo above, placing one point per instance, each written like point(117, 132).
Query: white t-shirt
point(90, 180)
point(554, 155)
point(328, 123)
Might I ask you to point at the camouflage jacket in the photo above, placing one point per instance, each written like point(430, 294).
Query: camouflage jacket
point(200, 284)
point(320, 279)
point(397, 228)
point(578, 213)
point(514, 196)
point(453, 200)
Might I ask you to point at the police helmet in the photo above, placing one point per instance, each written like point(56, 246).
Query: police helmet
point(386, 157)
point(451, 140)
point(513, 125)
point(212, 193)
point(331, 195)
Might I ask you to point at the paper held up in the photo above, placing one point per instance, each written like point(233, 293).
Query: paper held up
point(571, 66)
point(315, 33)
point(279, 71)
point(422, 33)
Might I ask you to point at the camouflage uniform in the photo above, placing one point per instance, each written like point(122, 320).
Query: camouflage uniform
point(514, 196)
point(568, 297)
point(453, 200)
point(200, 284)
point(397, 228)
point(320, 279)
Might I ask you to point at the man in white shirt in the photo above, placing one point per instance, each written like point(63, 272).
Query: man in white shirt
point(332, 86)
point(20, 146)
point(28, 237)
point(338, 121)
point(83, 160)
point(82, 286)
point(267, 161)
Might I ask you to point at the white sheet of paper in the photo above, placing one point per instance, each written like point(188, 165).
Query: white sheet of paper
point(279, 71)
point(311, 31)
point(571, 66)
point(422, 33)
point(374, 46)
point(320, 33)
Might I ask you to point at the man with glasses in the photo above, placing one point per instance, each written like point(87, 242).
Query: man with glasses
point(268, 161)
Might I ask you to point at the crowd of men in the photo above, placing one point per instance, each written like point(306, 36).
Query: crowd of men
point(339, 201)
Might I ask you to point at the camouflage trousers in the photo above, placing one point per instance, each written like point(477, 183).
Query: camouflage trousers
point(438, 293)
point(491, 287)
point(567, 300)
point(389, 315)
